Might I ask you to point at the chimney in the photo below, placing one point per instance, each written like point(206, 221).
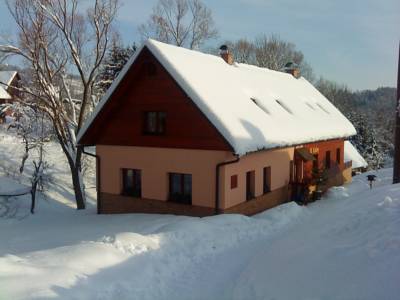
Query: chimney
point(292, 68)
point(226, 55)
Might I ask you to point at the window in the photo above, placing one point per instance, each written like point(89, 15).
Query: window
point(180, 188)
point(262, 107)
point(250, 186)
point(315, 163)
point(310, 105)
point(338, 156)
point(154, 122)
point(131, 183)
point(284, 106)
point(328, 160)
point(234, 181)
point(291, 171)
point(267, 180)
point(323, 108)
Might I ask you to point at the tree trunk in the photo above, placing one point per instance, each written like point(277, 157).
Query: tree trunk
point(76, 175)
point(77, 182)
point(33, 197)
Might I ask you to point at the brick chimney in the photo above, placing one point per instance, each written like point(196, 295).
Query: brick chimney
point(226, 55)
point(292, 68)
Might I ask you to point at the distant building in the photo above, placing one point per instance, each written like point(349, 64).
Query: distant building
point(9, 81)
point(354, 158)
point(185, 132)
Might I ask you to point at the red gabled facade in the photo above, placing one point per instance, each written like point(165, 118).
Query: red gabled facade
point(130, 142)
point(146, 87)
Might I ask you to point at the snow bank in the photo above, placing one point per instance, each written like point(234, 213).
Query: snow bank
point(9, 187)
point(345, 246)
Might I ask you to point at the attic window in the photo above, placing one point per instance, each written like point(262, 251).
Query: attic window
point(154, 123)
point(284, 106)
point(263, 108)
point(323, 108)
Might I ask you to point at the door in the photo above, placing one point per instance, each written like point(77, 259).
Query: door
point(180, 188)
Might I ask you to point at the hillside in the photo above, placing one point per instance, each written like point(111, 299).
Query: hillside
point(342, 247)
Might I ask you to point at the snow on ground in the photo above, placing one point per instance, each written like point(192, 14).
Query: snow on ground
point(345, 246)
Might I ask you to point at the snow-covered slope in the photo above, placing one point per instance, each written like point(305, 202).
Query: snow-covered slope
point(253, 108)
point(345, 246)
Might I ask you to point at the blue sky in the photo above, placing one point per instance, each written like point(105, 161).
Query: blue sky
point(354, 42)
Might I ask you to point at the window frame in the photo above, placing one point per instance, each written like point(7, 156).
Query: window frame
point(327, 159)
point(234, 181)
point(315, 163)
point(291, 171)
point(338, 155)
point(136, 191)
point(160, 123)
point(250, 185)
point(267, 179)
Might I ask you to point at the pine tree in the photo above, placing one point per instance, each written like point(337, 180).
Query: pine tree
point(116, 59)
point(366, 142)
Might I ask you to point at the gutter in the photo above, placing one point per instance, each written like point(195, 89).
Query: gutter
point(97, 175)
point(217, 169)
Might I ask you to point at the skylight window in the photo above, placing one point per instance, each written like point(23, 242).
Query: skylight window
point(284, 106)
point(262, 107)
point(323, 108)
point(310, 105)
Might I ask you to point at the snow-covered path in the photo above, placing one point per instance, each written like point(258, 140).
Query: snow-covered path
point(346, 246)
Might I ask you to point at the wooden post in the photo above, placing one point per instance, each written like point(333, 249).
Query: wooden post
point(396, 163)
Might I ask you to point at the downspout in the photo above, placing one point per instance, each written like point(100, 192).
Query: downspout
point(97, 176)
point(219, 165)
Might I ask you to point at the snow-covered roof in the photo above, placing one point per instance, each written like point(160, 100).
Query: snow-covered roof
point(351, 154)
point(7, 76)
point(4, 94)
point(253, 108)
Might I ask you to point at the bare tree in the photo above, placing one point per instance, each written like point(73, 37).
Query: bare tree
point(31, 126)
point(185, 23)
point(55, 39)
point(243, 51)
point(268, 52)
point(272, 52)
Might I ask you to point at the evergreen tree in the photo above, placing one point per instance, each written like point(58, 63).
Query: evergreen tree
point(116, 59)
point(366, 142)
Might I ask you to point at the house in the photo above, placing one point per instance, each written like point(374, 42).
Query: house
point(184, 132)
point(353, 157)
point(9, 81)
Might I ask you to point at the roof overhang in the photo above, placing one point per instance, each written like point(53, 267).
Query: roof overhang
point(305, 154)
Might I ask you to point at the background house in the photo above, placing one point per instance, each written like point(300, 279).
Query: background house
point(353, 158)
point(9, 81)
point(196, 134)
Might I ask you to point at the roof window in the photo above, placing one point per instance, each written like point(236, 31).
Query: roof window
point(310, 105)
point(284, 106)
point(262, 107)
point(323, 108)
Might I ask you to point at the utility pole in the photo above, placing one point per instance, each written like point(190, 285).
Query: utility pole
point(396, 163)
